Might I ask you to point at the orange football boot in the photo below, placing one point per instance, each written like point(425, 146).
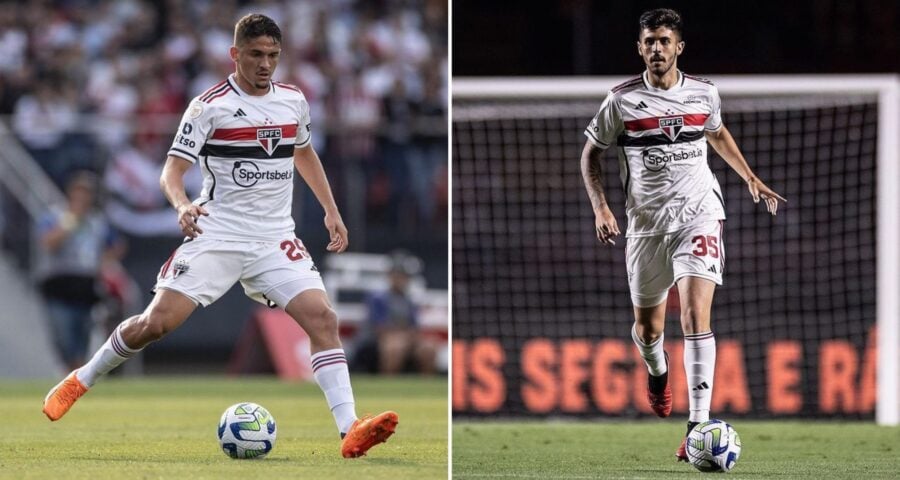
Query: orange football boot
point(368, 431)
point(63, 396)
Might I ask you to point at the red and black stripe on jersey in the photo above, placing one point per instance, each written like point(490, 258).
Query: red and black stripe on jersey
point(210, 89)
point(254, 152)
point(628, 83)
point(249, 134)
point(699, 79)
point(657, 140)
point(218, 91)
point(652, 123)
point(287, 86)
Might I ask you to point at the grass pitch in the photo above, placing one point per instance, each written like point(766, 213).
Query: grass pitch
point(645, 450)
point(166, 428)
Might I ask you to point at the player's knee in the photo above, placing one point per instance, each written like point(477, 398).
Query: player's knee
point(322, 324)
point(151, 330)
point(154, 325)
point(647, 335)
point(327, 321)
point(693, 320)
point(646, 331)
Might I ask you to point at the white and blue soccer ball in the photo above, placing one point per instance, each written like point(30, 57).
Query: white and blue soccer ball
point(247, 430)
point(713, 446)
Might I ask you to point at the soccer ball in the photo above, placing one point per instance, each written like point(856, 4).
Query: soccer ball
point(713, 446)
point(246, 430)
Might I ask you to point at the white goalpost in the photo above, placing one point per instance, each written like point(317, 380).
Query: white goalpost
point(824, 123)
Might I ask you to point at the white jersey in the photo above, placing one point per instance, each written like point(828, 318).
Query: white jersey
point(661, 140)
point(245, 147)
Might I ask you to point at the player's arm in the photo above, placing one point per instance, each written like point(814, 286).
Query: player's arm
point(310, 167)
point(592, 174)
point(172, 184)
point(722, 141)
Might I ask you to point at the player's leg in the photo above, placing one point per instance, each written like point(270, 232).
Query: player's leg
point(699, 343)
point(167, 311)
point(696, 296)
point(198, 272)
point(650, 276)
point(289, 279)
point(647, 334)
point(699, 262)
point(313, 312)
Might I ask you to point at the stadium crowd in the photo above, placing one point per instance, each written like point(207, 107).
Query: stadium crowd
point(101, 84)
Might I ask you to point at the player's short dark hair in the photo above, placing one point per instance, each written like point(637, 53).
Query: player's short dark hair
point(255, 25)
point(662, 17)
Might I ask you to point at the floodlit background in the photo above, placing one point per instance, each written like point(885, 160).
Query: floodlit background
point(806, 322)
point(544, 309)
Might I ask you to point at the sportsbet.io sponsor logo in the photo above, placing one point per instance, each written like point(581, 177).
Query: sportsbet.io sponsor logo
point(656, 159)
point(247, 174)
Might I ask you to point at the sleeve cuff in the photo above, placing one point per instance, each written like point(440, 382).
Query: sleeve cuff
point(594, 140)
point(177, 152)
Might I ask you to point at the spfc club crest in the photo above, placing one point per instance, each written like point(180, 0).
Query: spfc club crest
point(181, 266)
point(671, 126)
point(268, 138)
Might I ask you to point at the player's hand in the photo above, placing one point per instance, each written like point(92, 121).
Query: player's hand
point(337, 232)
point(188, 214)
point(606, 226)
point(758, 190)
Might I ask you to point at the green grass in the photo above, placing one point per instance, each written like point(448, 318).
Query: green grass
point(166, 428)
point(645, 449)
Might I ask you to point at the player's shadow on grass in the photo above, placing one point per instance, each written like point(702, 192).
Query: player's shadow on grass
point(377, 461)
point(188, 461)
point(738, 472)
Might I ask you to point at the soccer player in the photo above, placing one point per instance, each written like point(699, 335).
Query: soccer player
point(661, 122)
point(247, 133)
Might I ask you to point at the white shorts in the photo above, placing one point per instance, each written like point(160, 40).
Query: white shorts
point(655, 263)
point(271, 273)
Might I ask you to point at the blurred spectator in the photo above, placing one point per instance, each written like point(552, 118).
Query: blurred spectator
point(75, 240)
point(393, 326)
point(42, 119)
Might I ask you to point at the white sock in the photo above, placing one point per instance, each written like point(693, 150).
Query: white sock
point(112, 354)
point(653, 354)
point(333, 376)
point(700, 367)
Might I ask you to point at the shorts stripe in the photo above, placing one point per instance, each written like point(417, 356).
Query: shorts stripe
point(722, 247)
point(165, 268)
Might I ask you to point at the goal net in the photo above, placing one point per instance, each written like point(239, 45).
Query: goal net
point(542, 312)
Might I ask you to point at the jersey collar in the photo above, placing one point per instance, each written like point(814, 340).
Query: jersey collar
point(245, 95)
point(675, 88)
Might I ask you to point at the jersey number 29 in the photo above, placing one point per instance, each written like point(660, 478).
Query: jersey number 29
point(294, 250)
